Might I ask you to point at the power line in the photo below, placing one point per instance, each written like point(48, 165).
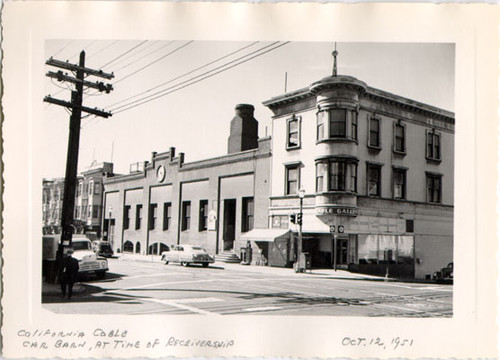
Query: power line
point(142, 57)
point(130, 55)
point(196, 77)
point(176, 88)
point(78, 54)
point(101, 50)
point(155, 61)
point(125, 53)
point(185, 74)
point(64, 47)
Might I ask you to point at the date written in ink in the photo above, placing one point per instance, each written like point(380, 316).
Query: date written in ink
point(392, 343)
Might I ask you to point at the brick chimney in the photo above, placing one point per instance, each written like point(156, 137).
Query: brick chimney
point(244, 130)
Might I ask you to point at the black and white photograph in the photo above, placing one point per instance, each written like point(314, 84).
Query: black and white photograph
point(223, 180)
point(267, 163)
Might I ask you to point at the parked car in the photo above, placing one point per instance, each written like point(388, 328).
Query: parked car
point(102, 248)
point(89, 262)
point(445, 274)
point(187, 254)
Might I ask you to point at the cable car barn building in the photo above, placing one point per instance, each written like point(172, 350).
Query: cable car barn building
point(210, 203)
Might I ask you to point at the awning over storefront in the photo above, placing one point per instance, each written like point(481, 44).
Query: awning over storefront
point(312, 224)
point(267, 235)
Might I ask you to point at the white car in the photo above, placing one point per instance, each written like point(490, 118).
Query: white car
point(187, 254)
point(88, 261)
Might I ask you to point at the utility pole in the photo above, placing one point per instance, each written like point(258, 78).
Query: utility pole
point(76, 106)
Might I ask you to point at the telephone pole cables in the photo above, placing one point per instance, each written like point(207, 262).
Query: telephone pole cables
point(76, 106)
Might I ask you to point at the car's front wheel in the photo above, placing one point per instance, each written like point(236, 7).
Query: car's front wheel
point(164, 259)
point(100, 274)
point(205, 264)
point(184, 263)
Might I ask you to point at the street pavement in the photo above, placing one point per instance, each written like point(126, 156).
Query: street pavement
point(144, 285)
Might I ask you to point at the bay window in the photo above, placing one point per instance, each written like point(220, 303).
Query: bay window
point(336, 123)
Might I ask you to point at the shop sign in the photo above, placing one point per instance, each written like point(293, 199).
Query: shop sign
point(212, 219)
point(342, 211)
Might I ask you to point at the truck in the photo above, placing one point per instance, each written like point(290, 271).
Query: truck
point(89, 262)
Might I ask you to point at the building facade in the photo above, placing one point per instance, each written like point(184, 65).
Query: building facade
point(377, 170)
point(210, 203)
point(87, 216)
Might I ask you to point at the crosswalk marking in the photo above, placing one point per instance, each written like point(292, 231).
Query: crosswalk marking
point(197, 300)
point(267, 308)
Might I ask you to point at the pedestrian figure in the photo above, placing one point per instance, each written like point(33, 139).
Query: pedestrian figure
point(68, 273)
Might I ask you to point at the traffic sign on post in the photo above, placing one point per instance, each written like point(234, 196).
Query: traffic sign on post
point(341, 229)
point(332, 229)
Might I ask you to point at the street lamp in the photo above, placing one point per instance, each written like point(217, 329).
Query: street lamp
point(109, 225)
point(302, 193)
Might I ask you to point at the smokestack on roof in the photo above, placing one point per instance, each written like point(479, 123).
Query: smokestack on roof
point(244, 130)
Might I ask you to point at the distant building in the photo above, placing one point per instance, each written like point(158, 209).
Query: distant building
point(210, 203)
point(87, 216)
point(377, 170)
point(53, 191)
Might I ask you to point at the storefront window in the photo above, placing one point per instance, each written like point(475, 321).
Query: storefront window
point(387, 249)
point(405, 250)
point(367, 249)
point(384, 249)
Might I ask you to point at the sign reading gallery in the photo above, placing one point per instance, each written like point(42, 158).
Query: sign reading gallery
point(337, 210)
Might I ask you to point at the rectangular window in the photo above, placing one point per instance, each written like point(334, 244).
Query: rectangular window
point(320, 126)
point(337, 176)
point(399, 138)
point(95, 211)
point(247, 214)
point(97, 188)
point(293, 130)
point(167, 215)
point(292, 180)
point(337, 123)
point(80, 189)
point(203, 215)
point(374, 139)
point(138, 216)
point(126, 217)
point(433, 145)
point(152, 216)
point(434, 188)
point(91, 187)
point(320, 176)
point(399, 183)
point(186, 215)
point(409, 226)
point(354, 126)
point(373, 180)
point(354, 177)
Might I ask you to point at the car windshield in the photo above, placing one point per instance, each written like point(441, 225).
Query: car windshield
point(81, 245)
point(196, 248)
point(105, 247)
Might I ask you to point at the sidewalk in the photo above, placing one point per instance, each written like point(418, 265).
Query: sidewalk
point(329, 273)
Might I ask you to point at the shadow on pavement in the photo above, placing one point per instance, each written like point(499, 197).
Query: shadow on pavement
point(92, 294)
point(281, 297)
point(110, 277)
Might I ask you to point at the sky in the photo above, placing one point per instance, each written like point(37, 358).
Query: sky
point(183, 93)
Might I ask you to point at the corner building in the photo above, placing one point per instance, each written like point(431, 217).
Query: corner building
point(210, 203)
point(377, 170)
